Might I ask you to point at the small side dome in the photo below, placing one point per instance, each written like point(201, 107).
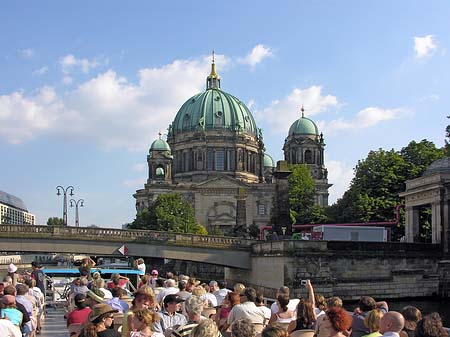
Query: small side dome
point(268, 161)
point(439, 166)
point(303, 126)
point(160, 145)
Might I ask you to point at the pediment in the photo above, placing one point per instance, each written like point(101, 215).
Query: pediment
point(222, 181)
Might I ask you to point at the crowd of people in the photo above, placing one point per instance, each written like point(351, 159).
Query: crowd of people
point(182, 306)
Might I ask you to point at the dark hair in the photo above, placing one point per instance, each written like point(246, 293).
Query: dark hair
point(283, 301)
point(430, 326)
point(321, 303)
point(159, 282)
point(340, 320)
point(305, 313)
point(412, 315)
point(9, 290)
point(367, 303)
point(117, 292)
point(259, 298)
point(250, 293)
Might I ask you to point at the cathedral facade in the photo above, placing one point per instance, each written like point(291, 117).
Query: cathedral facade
point(215, 157)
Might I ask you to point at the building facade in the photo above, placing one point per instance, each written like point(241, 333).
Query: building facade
point(13, 211)
point(215, 157)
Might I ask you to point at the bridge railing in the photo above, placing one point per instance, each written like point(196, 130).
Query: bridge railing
point(122, 235)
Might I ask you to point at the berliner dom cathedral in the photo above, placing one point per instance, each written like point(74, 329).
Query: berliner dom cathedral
point(214, 156)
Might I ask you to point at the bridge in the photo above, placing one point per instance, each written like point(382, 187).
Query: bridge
point(224, 251)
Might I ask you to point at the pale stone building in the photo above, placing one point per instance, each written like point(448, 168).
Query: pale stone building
point(13, 211)
point(215, 157)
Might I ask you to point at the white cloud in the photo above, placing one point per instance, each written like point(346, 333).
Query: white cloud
point(365, 118)
point(67, 80)
point(431, 97)
point(340, 175)
point(256, 55)
point(41, 71)
point(70, 63)
point(106, 110)
point(288, 108)
point(424, 45)
point(27, 53)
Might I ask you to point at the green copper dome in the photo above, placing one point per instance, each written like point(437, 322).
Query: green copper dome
point(303, 126)
point(268, 161)
point(160, 145)
point(213, 109)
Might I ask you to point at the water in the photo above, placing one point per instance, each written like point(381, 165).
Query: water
point(426, 306)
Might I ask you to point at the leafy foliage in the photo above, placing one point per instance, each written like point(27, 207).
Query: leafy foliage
point(55, 221)
point(374, 190)
point(301, 194)
point(169, 213)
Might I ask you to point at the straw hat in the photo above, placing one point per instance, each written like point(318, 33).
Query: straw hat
point(100, 309)
point(12, 268)
point(94, 296)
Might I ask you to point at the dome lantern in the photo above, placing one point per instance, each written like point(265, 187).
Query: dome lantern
point(213, 80)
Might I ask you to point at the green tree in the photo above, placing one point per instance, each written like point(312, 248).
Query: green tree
point(55, 221)
point(374, 190)
point(301, 194)
point(169, 213)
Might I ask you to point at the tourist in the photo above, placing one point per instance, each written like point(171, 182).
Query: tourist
point(338, 322)
point(94, 297)
point(81, 286)
point(170, 319)
point(10, 311)
point(412, 315)
point(431, 326)
point(169, 289)
point(228, 303)
point(260, 304)
point(366, 304)
point(306, 317)
point(194, 308)
point(8, 329)
point(321, 330)
point(99, 284)
point(145, 279)
point(38, 275)
point(11, 290)
point(140, 265)
point(99, 322)
point(13, 274)
point(154, 277)
point(219, 291)
point(284, 316)
point(141, 301)
point(247, 309)
point(80, 314)
point(117, 280)
point(22, 298)
point(206, 328)
point(292, 303)
point(191, 284)
point(320, 304)
point(391, 324)
point(142, 324)
point(239, 288)
point(208, 296)
point(243, 328)
point(116, 302)
point(85, 268)
point(183, 294)
point(372, 322)
point(274, 330)
point(39, 300)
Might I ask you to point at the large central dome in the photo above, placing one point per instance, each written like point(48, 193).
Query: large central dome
point(214, 109)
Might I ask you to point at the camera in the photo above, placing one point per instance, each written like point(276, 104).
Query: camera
point(303, 282)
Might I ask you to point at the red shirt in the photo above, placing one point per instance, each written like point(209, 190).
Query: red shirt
point(78, 316)
point(122, 284)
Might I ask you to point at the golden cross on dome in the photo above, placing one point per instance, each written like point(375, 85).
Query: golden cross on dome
point(303, 111)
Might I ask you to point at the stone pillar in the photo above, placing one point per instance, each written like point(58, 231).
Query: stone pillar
point(436, 227)
point(282, 225)
point(445, 224)
point(241, 210)
point(412, 224)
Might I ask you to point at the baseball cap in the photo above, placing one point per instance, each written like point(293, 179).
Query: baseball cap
point(172, 298)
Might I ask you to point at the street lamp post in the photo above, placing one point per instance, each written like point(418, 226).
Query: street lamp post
point(64, 191)
point(77, 203)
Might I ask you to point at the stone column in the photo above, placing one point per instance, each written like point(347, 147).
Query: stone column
point(445, 224)
point(412, 224)
point(436, 227)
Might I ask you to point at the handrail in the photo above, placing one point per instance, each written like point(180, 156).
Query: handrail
point(124, 235)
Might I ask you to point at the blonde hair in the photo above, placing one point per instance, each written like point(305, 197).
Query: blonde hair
point(146, 289)
point(239, 288)
point(372, 320)
point(206, 328)
point(147, 316)
point(198, 291)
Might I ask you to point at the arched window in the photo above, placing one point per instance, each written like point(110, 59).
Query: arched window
point(308, 157)
point(159, 173)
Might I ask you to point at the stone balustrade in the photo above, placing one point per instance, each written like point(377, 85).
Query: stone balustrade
point(123, 235)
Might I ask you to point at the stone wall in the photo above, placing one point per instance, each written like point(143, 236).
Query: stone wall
point(345, 269)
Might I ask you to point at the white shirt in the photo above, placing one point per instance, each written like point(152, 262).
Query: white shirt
point(141, 267)
point(166, 291)
point(292, 305)
point(212, 300)
point(266, 311)
point(8, 329)
point(246, 310)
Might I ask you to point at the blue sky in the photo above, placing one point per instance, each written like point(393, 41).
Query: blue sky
point(86, 86)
